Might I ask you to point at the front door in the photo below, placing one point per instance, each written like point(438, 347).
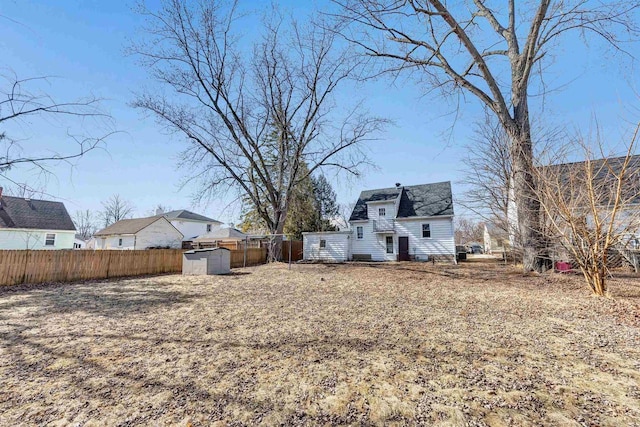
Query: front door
point(403, 248)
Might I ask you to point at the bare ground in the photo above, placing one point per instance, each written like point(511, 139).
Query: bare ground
point(404, 344)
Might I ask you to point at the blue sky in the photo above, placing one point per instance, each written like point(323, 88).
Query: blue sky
point(83, 44)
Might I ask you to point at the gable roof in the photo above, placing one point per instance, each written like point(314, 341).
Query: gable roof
point(604, 173)
point(185, 214)
point(414, 200)
point(130, 226)
point(18, 212)
point(222, 234)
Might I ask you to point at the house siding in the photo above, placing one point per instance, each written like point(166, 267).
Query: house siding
point(159, 233)
point(192, 229)
point(111, 242)
point(441, 243)
point(337, 248)
point(12, 239)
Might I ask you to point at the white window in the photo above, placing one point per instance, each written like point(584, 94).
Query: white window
point(382, 212)
point(426, 230)
point(208, 228)
point(389, 244)
point(119, 242)
point(50, 239)
point(359, 232)
point(323, 243)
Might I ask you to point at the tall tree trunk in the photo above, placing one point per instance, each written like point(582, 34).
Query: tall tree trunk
point(526, 202)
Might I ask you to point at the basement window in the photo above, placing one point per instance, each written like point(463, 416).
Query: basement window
point(50, 239)
point(323, 243)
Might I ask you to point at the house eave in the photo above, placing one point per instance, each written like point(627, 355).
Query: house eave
point(378, 202)
point(410, 218)
point(38, 229)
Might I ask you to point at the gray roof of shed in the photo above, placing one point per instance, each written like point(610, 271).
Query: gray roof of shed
point(18, 212)
point(185, 214)
point(415, 200)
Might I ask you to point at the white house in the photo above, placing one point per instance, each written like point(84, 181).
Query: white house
point(139, 233)
point(79, 242)
point(34, 224)
point(327, 246)
point(402, 223)
point(190, 224)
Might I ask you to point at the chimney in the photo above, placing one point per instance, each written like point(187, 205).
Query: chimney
point(0, 192)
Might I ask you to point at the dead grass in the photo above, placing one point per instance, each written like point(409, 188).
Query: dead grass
point(373, 344)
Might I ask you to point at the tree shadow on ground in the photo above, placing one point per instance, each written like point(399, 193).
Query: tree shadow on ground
point(111, 299)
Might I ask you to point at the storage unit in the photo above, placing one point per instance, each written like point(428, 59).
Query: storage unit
point(207, 261)
point(328, 246)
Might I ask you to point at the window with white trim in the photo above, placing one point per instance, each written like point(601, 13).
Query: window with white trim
point(389, 244)
point(208, 228)
point(426, 230)
point(50, 239)
point(119, 242)
point(359, 232)
point(323, 243)
point(382, 212)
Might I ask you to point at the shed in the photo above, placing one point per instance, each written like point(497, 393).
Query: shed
point(207, 261)
point(327, 246)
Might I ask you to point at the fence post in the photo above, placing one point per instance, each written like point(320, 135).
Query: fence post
point(289, 254)
point(246, 243)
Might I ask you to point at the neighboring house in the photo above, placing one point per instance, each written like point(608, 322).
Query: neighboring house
point(402, 223)
point(34, 224)
point(79, 242)
point(139, 233)
point(190, 224)
point(228, 237)
point(496, 239)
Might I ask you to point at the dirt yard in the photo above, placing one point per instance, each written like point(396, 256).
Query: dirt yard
point(403, 344)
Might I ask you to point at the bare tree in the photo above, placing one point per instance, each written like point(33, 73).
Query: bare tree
point(115, 209)
point(468, 230)
point(591, 207)
point(252, 121)
point(23, 101)
point(488, 172)
point(85, 223)
point(491, 52)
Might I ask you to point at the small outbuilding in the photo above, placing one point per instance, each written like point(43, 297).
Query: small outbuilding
point(207, 261)
point(327, 246)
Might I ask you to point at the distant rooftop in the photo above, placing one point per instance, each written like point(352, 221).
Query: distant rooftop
point(188, 215)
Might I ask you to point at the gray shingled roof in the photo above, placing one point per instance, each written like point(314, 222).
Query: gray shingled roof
point(185, 214)
point(604, 176)
point(17, 212)
point(415, 200)
point(222, 234)
point(128, 226)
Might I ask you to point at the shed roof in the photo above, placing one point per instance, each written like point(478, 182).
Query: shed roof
point(18, 212)
point(415, 200)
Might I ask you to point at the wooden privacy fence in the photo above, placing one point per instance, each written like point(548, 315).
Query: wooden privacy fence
point(296, 250)
point(41, 266)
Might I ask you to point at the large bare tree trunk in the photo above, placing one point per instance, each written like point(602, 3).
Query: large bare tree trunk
point(526, 201)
